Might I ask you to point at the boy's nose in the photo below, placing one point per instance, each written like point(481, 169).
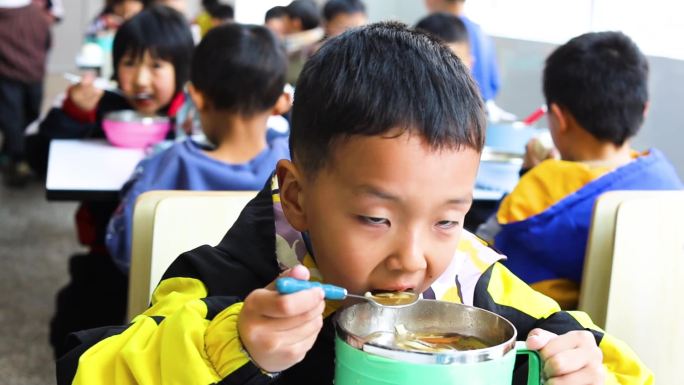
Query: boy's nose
point(409, 255)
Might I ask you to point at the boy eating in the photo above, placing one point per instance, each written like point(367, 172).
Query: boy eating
point(381, 176)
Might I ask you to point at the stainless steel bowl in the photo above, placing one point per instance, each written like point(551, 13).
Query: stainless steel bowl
point(372, 329)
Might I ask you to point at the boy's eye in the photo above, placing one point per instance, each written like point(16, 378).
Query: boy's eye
point(128, 62)
point(374, 220)
point(446, 225)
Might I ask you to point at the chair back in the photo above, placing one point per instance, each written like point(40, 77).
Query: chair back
point(168, 223)
point(634, 274)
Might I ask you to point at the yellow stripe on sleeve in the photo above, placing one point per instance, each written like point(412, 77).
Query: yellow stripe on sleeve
point(508, 290)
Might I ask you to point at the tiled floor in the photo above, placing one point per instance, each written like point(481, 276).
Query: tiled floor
point(36, 239)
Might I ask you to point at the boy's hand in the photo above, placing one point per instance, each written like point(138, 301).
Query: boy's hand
point(571, 358)
point(278, 330)
point(84, 94)
point(535, 153)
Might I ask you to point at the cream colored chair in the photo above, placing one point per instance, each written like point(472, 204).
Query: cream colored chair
point(168, 223)
point(634, 275)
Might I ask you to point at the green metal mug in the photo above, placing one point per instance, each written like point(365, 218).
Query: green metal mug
point(376, 361)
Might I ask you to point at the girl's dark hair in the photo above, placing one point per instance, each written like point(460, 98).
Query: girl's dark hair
point(163, 32)
point(240, 68)
point(379, 78)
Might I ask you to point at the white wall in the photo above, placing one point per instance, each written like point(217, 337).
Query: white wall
point(67, 36)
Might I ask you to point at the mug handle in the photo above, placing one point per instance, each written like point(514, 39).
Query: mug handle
point(534, 363)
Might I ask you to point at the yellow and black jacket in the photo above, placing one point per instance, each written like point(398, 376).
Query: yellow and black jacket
point(189, 333)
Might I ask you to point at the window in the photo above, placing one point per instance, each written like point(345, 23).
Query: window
point(655, 25)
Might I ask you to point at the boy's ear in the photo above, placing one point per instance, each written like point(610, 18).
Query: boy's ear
point(647, 106)
point(290, 183)
point(197, 97)
point(283, 104)
point(560, 116)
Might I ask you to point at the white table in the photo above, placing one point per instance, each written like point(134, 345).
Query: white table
point(94, 170)
point(91, 170)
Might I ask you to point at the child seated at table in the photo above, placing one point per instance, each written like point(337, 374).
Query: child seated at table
point(237, 79)
point(381, 176)
point(596, 89)
point(452, 31)
point(151, 58)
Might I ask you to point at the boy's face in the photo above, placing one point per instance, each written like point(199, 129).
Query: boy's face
point(462, 50)
point(149, 83)
point(128, 9)
point(385, 213)
point(277, 25)
point(344, 21)
point(178, 5)
point(435, 5)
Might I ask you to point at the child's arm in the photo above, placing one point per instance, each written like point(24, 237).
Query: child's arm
point(78, 115)
point(502, 292)
point(187, 336)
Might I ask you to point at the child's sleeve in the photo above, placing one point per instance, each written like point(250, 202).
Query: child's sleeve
point(185, 337)
point(119, 238)
point(500, 291)
point(70, 122)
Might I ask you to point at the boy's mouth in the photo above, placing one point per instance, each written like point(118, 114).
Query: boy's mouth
point(392, 289)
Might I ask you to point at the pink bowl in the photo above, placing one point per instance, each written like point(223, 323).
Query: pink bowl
point(129, 129)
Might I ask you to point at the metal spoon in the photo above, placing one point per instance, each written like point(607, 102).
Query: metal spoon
point(383, 299)
point(100, 83)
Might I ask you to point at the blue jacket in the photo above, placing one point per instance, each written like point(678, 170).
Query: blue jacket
point(184, 166)
point(485, 70)
point(551, 244)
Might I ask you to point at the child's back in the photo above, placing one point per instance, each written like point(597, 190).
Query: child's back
point(237, 80)
point(596, 90)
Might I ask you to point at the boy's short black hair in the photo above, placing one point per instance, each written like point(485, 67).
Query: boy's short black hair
point(240, 68)
point(306, 11)
point(374, 79)
point(221, 11)
point(601, 78)
point(275, 13)
point(335, 7)
point(161, 30)
point(444, 26)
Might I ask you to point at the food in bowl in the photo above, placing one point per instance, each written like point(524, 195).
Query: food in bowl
point(435, 341)
point(130, 129)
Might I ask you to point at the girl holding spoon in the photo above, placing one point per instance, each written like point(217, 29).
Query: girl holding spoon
point(151, 59)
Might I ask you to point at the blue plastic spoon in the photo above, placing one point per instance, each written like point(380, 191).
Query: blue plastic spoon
point(332, 292)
